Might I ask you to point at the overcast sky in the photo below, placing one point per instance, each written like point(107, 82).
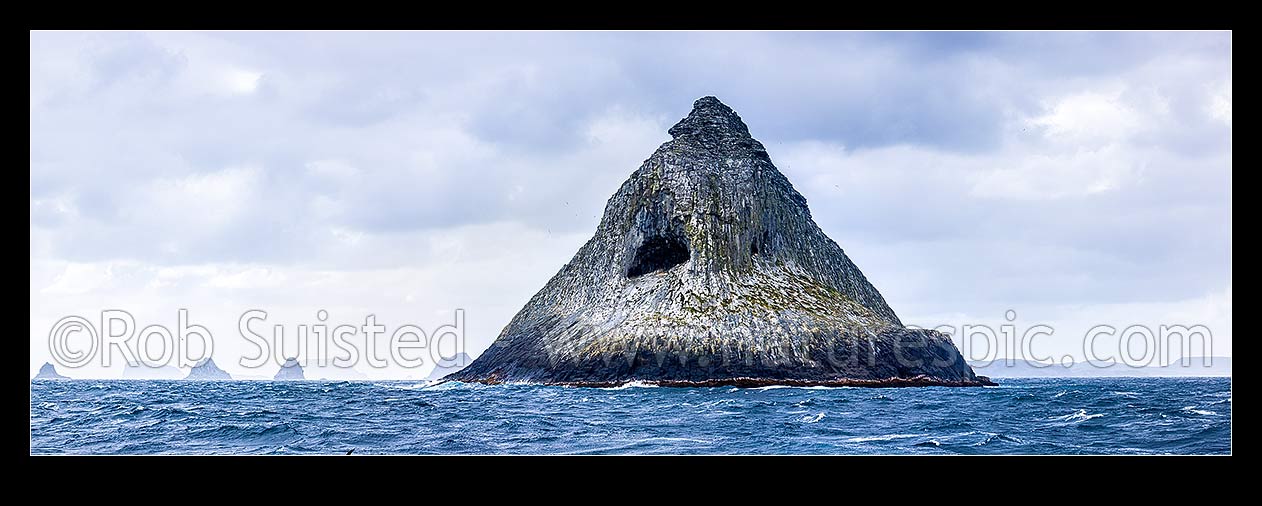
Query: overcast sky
point(1076, 178)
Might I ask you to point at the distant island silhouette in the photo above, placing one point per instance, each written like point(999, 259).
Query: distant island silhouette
point(207, 370)
point(48, 371)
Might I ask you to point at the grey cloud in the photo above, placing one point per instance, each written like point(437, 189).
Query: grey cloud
point(438, 129)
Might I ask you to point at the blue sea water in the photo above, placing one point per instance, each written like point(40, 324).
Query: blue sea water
point(1021, 416)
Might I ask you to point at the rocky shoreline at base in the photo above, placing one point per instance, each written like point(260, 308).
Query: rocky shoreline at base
point(746, 382)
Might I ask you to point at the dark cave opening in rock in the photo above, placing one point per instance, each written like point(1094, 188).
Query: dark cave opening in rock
point(658, 253)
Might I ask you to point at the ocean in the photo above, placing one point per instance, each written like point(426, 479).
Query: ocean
point(1021, 416)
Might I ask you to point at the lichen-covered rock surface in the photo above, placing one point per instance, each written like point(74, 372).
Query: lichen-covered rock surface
point(706, 270)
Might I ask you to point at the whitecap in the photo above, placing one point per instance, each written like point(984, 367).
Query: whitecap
point(813, 419)
point(1080, 416)
point(993, 436)
point(404, 386)
point(720, 402)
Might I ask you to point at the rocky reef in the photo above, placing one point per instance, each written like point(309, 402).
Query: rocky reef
point(707, 269)
point(48, 371)
point(207, 370)
point(290, 370)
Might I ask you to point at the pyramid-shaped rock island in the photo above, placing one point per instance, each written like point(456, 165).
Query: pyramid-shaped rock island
point(707, 270)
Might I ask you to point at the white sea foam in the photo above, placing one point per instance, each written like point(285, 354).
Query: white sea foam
point(675, 439)
point(1192, 409)
point(1080, 416)
point(638, 443)
point(406, 386)
point(813, 419)
point(631, 384)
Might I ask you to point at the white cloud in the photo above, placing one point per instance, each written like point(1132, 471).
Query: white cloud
point(80, 278)
point(239, 80)
point(1220, 103)
point(53, 210)
point(1017, 172)
point(212, 199)
point(1037, 176)
point(336, 170)
point(1089, 118)
point(250, 278)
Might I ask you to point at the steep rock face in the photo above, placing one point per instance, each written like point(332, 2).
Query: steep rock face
point(707, 269)
point(290, 370)
point(207, 370)
point(48, 371)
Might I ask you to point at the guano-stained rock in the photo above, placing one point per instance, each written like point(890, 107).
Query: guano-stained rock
point(707, 270)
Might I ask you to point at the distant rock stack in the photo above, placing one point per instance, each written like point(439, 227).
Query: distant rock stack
point(207, 370)
point(706, 270)
point(47, 371)
point(290, 370)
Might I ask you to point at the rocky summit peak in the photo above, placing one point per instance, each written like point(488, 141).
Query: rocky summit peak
point(710, 121)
